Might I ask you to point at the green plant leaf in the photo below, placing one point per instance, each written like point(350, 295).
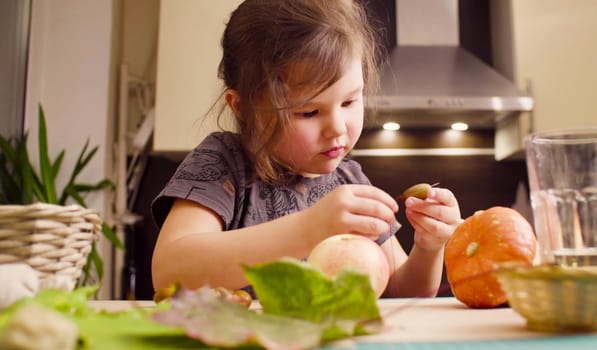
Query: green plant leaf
point(7, 149)
point(8, 184)
point(45, 166)
point(109, 233)
point(20, 183)
point(30, 181)
point(70, 191)
point(71, 187)
point(74, 190)
point(97, 262)
point(126, 330)
point(86, 270)
point(38, 191)
point(74, 302)
point(83, 159)
point(94, 261)
point(17, 178)
point(57, 164)
point(94, 187)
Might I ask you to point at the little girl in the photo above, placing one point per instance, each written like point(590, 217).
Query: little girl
point(296, 73)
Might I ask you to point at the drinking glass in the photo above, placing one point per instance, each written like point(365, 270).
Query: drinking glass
point(562, 171)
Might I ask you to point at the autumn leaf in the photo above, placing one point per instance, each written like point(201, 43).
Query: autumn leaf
point(218, 322)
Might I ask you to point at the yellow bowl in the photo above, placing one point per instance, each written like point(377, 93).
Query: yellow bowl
point(553, 298)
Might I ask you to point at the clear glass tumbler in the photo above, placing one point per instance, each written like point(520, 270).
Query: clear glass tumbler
point(562, 170)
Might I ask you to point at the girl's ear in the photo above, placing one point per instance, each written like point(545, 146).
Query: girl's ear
point(233, 101)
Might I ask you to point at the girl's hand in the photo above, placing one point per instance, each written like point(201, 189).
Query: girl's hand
point(434, 218)
point(357, 209)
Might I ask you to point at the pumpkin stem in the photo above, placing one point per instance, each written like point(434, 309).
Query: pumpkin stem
point(471, 248)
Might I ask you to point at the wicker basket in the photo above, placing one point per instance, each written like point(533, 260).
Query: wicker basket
point(551, 298)
point(54, 240)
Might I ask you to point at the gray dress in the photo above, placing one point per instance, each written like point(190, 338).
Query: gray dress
point(217, 174)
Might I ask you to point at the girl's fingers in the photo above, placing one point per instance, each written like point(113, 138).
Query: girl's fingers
point(429, 233)
point(359, 209)
point(443, 196)
point(374, 209)
point(440, 205)
point(424, 223)
point(374, 193)
point(372, 230)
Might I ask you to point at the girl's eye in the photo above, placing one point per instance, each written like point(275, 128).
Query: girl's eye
point(309, 114)
point(347, 103)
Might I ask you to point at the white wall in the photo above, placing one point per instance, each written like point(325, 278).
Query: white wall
point(69, 74)
point(549, 46)
point(188, 56)
point(555, 49)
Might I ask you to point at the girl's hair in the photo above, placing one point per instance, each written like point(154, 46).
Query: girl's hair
point(272, 48)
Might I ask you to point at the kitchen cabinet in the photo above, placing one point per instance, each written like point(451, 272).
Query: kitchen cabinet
point(547, 47)
point(186, 83)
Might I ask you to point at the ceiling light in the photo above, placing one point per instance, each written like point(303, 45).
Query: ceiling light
point(391, 126)
point(460, 126)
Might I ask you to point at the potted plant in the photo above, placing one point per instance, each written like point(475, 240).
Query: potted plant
point(22, 186)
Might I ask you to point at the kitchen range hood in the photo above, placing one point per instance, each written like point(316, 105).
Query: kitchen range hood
point(429, 80)
point(435, 86)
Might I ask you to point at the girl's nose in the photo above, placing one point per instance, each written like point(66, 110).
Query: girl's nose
point(335, 124)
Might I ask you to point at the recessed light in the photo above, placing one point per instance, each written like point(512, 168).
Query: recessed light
point(391, 126)
point(460, 126)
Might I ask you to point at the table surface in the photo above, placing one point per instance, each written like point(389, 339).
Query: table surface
point(432, 320)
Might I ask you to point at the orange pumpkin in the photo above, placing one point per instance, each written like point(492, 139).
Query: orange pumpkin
point(483, 242)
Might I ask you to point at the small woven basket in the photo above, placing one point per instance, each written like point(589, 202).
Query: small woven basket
point(54, 240)
point(552, 298)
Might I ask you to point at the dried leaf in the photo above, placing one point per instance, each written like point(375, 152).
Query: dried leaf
point(218, 322)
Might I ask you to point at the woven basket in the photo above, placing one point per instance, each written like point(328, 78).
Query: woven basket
point(54, 240)
point(551, 298)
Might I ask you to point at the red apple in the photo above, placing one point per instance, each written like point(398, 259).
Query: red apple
point(349, 251)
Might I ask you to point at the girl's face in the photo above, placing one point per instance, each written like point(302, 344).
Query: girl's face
point(322, 131)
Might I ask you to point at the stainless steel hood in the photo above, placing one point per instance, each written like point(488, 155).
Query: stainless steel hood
point(434, 86)
point(436, 83)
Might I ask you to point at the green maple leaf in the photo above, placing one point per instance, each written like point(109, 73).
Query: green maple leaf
point(346, 305)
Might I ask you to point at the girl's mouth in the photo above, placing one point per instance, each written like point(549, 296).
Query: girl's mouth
point(334, 152)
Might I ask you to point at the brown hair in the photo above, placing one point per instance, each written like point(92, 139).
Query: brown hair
point(274, 47)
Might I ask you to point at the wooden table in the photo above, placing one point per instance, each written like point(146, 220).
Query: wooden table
point(441, 319)
point(438, 320)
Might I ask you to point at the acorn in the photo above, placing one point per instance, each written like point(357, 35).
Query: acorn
point(165, 293)
point(419, 191)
